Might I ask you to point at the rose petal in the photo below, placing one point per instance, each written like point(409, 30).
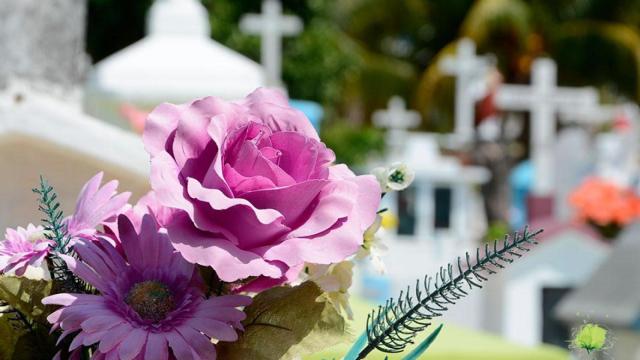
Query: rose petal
point(237, 219)
point(293, 202)
point(230, 262)
point(272, 107)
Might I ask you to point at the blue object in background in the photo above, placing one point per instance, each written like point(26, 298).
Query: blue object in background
point(375, 288)
point(312, 110)
point(521, 182)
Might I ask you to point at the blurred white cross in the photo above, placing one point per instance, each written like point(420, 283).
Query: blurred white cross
point(271, 26)
point(470, 72)
point(397, 119)
point(543, 99)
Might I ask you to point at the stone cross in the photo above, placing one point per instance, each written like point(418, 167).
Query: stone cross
point(397, 119)
point(470, 71)
point(271, 26)
point(543, 99)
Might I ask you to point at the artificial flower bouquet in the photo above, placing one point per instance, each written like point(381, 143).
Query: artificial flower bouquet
point(605, 205)
point(244, 249)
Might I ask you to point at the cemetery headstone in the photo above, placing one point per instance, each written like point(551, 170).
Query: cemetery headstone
point(573, 162)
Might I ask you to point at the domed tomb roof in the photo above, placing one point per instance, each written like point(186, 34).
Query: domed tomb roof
point(176, 62)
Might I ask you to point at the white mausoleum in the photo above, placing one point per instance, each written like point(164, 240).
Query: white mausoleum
point(42, 135)
point(176, 62)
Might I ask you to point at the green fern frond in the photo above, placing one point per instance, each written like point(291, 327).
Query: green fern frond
point(55, 228)
point(393, 326)
point(56, 231)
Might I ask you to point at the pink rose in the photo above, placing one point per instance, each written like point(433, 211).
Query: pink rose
point(255, 191)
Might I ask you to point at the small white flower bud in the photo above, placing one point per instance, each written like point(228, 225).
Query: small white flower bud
point(396, 177)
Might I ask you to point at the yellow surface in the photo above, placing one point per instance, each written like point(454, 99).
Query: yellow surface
point(453, 343)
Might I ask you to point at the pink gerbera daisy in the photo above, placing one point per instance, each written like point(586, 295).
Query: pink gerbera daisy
point(22, 248)
point(150, 304)
point(96, 206)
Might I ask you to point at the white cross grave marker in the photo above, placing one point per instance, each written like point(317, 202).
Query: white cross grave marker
point(543, 100)
point(271, 26)
point(397, 119)
point(470, 72)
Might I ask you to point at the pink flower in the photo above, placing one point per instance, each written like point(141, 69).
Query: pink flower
point(148, 204)
point(151, 304)
point(257, 192)
point(22, 248)
point(96, 206)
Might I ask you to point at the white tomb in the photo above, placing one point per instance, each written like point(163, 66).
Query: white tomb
point(41, 135)
point(565, 259)
point(176, 62)
point(448, 210)
point(616, 155)
point(611, 297)
point(617, 158)
point(271, 26)
point(441, 215)
point(573, 162)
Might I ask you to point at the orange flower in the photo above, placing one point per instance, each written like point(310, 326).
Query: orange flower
point(604, 203)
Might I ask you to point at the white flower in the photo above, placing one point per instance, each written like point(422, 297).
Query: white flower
point(372, 247)
point(335, 281)
point(396, 177)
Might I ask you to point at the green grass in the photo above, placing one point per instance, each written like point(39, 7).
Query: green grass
point(453, 343)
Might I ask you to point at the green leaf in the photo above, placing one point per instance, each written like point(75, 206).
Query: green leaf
point(423, 346)
point(18, 343)
point(285, 323)
point(394, 325)
point(25, 295)
point(357, 346)
point(36, 345)
point(9, 336)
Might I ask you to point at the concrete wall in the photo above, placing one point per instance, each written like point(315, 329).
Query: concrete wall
point(43, 41)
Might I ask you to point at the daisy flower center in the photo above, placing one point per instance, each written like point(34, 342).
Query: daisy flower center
point(152, 300)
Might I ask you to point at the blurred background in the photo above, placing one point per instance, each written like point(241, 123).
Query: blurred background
point(511, 112)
